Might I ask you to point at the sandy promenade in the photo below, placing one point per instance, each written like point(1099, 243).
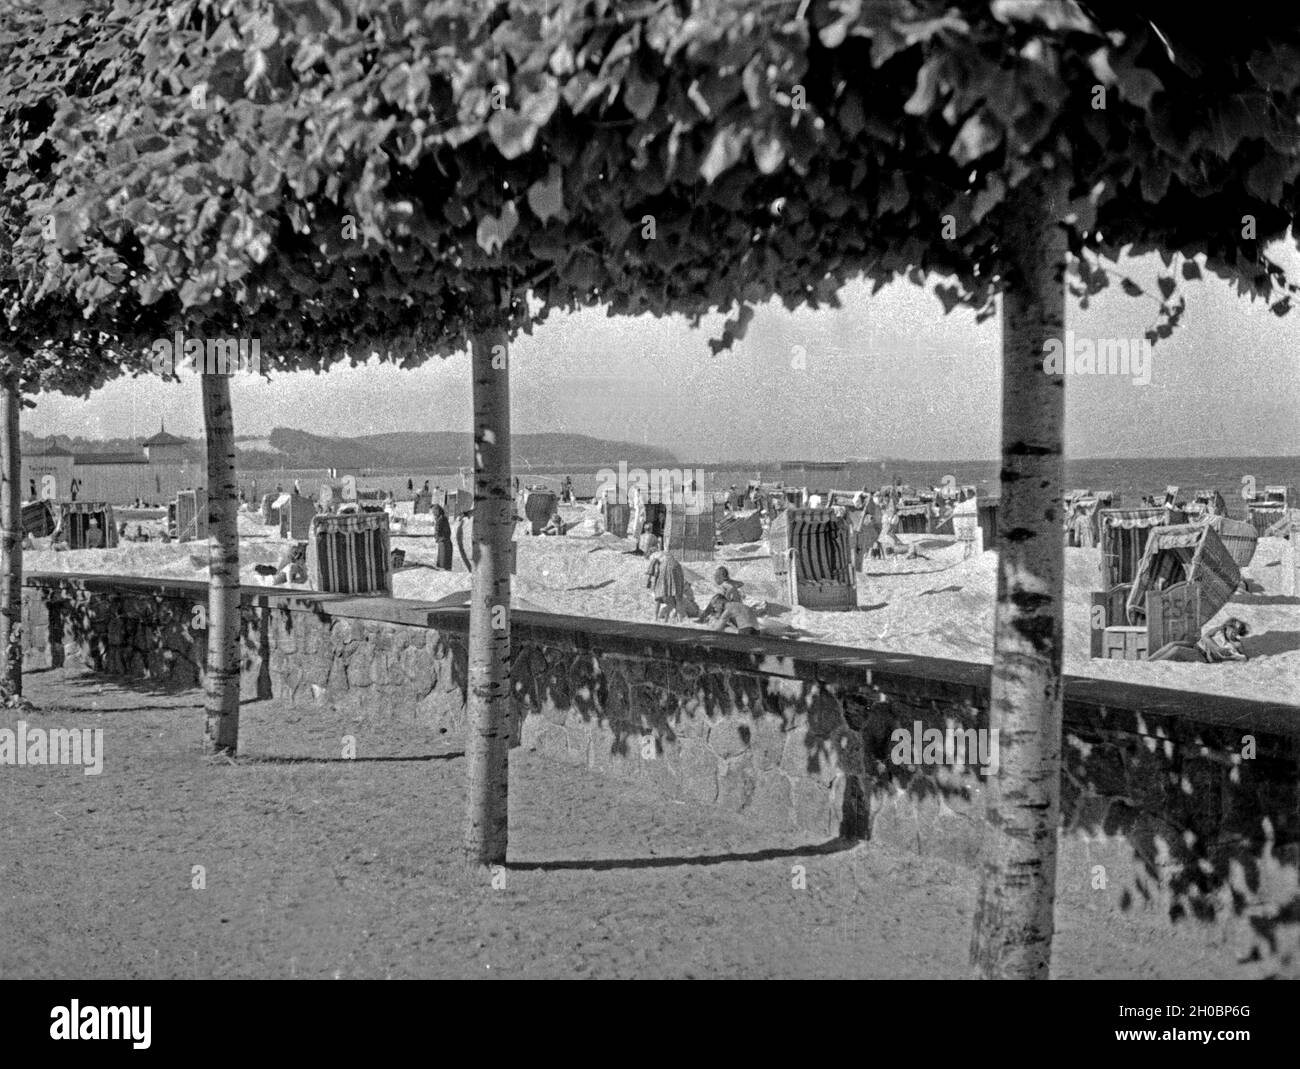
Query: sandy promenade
point(942, 606)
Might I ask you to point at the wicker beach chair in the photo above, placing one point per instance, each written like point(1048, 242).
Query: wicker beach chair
point(1239, 537)
point(191, 516)
point(296, 515)
point(349, 554)
point(740, 527)
point(1124, 534)
point(1191, 555)
point(812, 551)
point(39, 520)
point(689, 534)
point(538, 506)
point(74, 522)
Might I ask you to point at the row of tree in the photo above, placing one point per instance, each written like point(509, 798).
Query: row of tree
point(340, 178)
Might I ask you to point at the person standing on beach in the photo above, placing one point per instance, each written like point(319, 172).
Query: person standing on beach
point(442, 538)
point(666, 580)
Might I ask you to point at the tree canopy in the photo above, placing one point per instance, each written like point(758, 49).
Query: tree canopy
point(437, 162)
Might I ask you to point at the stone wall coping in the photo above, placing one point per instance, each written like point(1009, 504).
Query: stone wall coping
point(961, 681)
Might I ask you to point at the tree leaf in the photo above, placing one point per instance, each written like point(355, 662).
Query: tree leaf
point(546, 196)
point(494, 231)
point(977, 137)
point(728, 144)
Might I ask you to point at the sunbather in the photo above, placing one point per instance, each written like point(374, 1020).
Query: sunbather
point(725, 614)
point(1224, 642)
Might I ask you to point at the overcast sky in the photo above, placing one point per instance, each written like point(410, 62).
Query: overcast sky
point(888, 375)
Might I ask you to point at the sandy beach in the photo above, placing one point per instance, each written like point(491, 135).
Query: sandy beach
point(941, 606)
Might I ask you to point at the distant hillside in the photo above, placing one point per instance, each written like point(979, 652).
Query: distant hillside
point(293, 449)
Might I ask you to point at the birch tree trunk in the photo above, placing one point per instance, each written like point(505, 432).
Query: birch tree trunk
point(1014, 918)
point(491, 537)
point(221, 682)
point(11, 541)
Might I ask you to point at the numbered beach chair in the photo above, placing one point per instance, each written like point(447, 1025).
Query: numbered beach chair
point(1184, 577)
point(348, 553)
point(812, 553)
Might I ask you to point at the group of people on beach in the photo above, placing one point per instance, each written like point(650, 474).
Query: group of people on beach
point(674, 600)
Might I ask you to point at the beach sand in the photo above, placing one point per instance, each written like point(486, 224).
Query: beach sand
point(942, 606)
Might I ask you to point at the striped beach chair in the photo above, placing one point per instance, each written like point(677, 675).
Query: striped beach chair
point(75, 518)
point(349, 553)
point(812, 551)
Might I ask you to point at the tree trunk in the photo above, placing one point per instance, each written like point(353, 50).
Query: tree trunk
point(221, 682)
point(11, 542)
point(489, 708)
point(1014, 918)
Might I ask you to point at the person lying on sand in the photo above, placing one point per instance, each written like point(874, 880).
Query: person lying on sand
point(1224, 642)
point(725, 614)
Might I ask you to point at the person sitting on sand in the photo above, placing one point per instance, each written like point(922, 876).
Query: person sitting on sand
point(94, 536)
point(554, 526)
point(1224, 642)
point(725, 614)
point(665, 578)
point(726, 586)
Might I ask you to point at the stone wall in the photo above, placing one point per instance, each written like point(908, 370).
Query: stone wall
point(1191, 801)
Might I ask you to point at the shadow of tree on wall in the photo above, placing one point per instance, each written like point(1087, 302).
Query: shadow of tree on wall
point(1211, 825)
point(1211, 819)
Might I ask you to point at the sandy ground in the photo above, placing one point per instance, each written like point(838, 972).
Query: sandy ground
point(942, 606)
point(319, 867)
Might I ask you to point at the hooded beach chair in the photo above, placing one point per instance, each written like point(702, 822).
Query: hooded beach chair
point(812, 552)
point(75, 522)
point(1124, 534)
point(1189, 556)
point(191, 516)
point(296, 515)
point(39, 520)
point(689, 533)
point(538, 506)
point(348, 553)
